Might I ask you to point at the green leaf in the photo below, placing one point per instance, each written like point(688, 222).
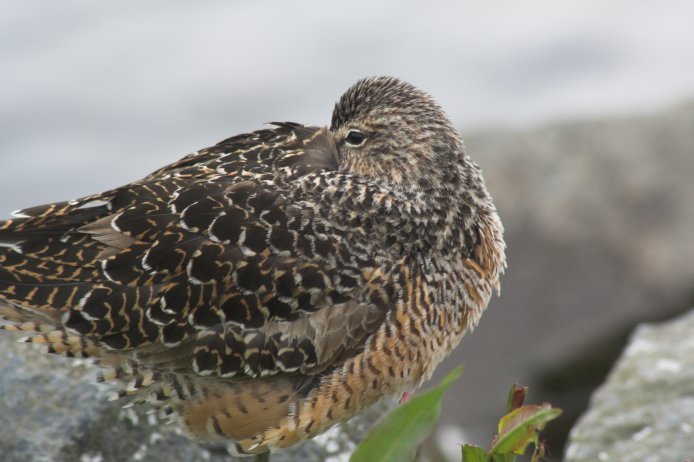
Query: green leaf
point(520, 427)
point(397, 437)
point(474, 454)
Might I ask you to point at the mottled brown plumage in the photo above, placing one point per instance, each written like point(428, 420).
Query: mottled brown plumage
point(265, 288)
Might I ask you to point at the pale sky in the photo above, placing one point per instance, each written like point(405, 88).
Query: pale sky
point(96, 94)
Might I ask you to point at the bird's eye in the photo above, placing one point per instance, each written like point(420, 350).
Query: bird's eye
point(355, 138)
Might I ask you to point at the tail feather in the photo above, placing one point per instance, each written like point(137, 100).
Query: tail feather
point(22, 319)
point(60, 342)
point(51, 219)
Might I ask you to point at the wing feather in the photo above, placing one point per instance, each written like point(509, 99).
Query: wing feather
point(212, 265)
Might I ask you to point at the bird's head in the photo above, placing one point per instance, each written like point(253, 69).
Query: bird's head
point(388, 130)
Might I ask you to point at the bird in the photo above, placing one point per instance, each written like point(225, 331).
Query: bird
point(259, 291)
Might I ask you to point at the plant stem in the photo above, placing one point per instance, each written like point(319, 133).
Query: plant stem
point(264, 457)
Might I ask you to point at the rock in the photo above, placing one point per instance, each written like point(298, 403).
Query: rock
point(645, 410)
point(51, 410)
point(599, 219)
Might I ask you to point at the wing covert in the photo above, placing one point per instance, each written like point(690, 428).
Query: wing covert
point(215, 258)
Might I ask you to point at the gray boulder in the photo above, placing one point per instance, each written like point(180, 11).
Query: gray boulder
point(645, 410)
point(599, 219)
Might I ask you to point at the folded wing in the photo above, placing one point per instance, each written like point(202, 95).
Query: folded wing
point(214, 265)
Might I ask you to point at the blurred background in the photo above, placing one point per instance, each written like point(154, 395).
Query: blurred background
point(581, 116)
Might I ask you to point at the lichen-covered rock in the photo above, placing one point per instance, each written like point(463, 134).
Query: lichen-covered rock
point(51, 410)
point(645, 410)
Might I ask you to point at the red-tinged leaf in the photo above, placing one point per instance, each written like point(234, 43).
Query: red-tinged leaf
point(520, 427)
point(516, 397)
